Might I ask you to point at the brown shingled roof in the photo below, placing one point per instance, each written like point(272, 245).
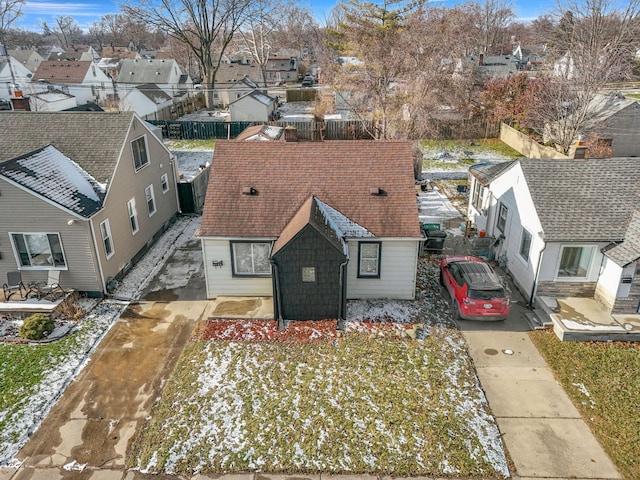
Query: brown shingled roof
point(62, 71)
point(285, 175)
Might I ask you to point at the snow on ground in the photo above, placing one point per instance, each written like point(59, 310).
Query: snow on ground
point(192, 162)
point(32, 404)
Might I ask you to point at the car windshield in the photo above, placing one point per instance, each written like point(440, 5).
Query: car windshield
point(488, 294)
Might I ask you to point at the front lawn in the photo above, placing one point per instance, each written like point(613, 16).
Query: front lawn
point(603, 380)
point(373, 400)
point(33, 376)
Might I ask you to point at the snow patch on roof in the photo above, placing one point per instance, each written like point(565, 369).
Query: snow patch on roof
point(51, 174)
point(343, 226)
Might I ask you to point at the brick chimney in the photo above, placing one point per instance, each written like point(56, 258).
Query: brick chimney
point(290, 134)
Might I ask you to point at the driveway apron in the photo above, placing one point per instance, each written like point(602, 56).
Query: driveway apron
point(100, 410)
point(543, 431)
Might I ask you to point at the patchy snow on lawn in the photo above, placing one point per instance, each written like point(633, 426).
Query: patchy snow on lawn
point(261, 404)
point(32, 403)
point(192, 162)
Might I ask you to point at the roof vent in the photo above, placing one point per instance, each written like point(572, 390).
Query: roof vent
point(249, 191)
point(377, 191)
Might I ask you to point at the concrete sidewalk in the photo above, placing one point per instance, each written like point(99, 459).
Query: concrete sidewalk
point(542, 430)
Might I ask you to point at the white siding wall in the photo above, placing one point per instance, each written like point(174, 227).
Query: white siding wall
point(609, 281)
point(511, 190)
point(249, 109)
point(549, 269)
point(220, 281)
point(397, 272)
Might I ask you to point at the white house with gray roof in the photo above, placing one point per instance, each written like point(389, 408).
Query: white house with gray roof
point(146, 100)
point(255, 106)
point(85, 193)
point(564, 227)
point(165, 73)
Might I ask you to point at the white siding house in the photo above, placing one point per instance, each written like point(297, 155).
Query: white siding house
point(564, 227)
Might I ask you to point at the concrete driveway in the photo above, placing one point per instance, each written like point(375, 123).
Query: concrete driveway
point(88, 430)
point(544, 434)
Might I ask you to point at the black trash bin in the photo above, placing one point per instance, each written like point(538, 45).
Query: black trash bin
point(435, 241)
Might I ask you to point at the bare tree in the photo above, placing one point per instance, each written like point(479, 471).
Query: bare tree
point(492, 19)
point(298, 30)
point(65, 30)
point(10, 11)
point(206, 26)
point(257, 33)
point(595, 43)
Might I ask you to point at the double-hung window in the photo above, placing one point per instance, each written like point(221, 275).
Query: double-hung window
point(39, 250)
point(502, 217)
point(151, 200)
point(525, 244)
point(164, 180)
point(369, 260)
point(140, 156)
point(105, 232)
point(133, 215)
point(251, 258)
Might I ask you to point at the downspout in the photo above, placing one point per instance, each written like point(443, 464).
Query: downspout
point(95, 248)
point(341, 325)
point(534, 288)
point(276, 298)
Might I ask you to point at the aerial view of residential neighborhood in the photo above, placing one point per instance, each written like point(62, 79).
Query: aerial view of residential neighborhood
point(342, 240)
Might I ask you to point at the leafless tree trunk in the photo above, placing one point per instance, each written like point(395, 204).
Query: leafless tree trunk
point(595, 43)
point(257, 32)
point(206, 26)
point(66, 31)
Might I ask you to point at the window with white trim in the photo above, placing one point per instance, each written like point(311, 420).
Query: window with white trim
point(133, 215)
point(251, 258)
point(164, 180)
point(139, 150)
point(151, 200)
point(525, 244)
point(38, 250)
point(369, 259)
point(478, 192)
point(575, 261)
point(105, 232)
point(501, 223)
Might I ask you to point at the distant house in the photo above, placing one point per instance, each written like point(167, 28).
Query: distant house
point(146, 100)
point(254, 106)
point(165, 73)
point(564, 227)
point(223, 95)
point(29, 58)
point(311, 224)
point(80, 78)
point(614, 119)
point(87, 194)
point(51, 101)
point(14, 76)
point(281, 70)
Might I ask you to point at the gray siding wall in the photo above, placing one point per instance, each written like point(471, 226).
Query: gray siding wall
point(23, 212)
point(309, 300)
point(127, 184)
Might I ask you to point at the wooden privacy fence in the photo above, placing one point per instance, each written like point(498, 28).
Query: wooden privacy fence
point(317, 131)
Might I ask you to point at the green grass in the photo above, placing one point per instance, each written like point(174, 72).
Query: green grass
point(493, 144)
point(361, 404)
point(610, 374)
point(31, 376)
point(190, 144)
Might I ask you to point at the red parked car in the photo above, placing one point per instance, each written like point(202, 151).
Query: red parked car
point(475, 289)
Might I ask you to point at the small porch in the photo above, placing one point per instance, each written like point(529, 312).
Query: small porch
point(17, 307)
point(586, 319)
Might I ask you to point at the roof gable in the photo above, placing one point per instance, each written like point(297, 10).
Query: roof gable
point(92, 139)
point(149, 71)
point(629, 250)
point(284, 175)
point(54, 176)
